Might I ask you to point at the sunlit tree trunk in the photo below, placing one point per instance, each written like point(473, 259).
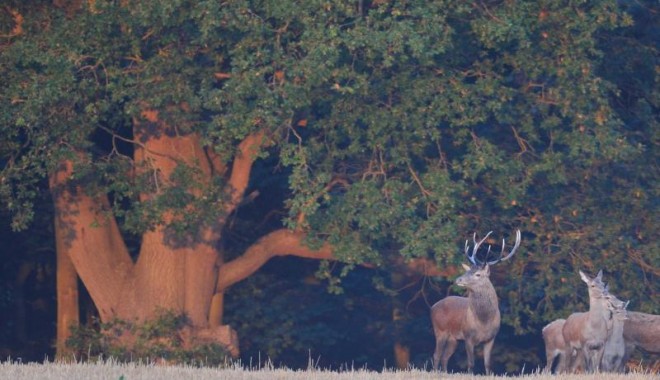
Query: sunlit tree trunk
point(168, 275)
point(68, 313)
point(185, 277)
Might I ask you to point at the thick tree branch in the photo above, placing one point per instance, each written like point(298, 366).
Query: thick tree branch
point(284, 242)
point(218, 167)
point(241, 168)
point(281, 242)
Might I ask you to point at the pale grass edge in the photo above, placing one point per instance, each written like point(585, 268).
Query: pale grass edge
point(110, 369)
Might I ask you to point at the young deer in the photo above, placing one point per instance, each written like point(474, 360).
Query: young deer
point(614, 352)
point(475, 318)
point(555, 346)
point(586, 333)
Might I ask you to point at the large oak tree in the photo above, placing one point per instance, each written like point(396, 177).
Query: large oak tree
point(398, 125)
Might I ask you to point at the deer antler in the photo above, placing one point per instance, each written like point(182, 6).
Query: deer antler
point(472, 258)
point(513, 250)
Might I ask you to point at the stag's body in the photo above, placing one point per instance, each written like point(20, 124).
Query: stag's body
point(614, 352)
point(586, 333)
point(555, 345)
point(474, 319)
point(642, 331)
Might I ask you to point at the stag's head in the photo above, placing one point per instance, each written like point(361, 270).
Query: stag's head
point(478, 272)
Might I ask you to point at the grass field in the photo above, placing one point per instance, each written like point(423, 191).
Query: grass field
point(107, 370)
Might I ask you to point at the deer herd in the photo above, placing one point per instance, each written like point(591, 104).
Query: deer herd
point(600, 339)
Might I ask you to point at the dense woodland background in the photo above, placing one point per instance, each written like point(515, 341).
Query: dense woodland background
point(381, 133)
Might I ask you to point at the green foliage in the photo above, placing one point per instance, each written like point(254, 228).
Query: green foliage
point(398, 127)
point(153, 340)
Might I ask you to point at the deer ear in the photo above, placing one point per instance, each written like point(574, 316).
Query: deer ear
point(487, 269)
point(584, 277)
point(599, 276)
point(466, 267)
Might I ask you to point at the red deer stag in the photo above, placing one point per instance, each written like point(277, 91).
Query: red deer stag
point(474, 319)
point(586, 333)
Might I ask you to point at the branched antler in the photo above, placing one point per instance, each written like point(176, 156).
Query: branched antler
point(473, 257)
point(513, 250)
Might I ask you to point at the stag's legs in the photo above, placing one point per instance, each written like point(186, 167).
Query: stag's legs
point(444, 348)
point(450, 347)
point(488, 348)
point(439, 347)
point(469, 349)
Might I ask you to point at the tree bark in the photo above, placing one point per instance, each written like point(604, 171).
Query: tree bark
point(280, 242)
point(401, 351)
point(90, 239)
point(68, 312)
point(401, 355)
point(217, 309)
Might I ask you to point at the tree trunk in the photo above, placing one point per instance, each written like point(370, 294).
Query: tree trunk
point(401, 355)
point(217, 309)
point(401, 351)
point(91, 240)
point(180, 280)
point(187, 277)
point(68, 313)
point(167, 276)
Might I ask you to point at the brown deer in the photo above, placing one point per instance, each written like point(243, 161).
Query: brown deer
point(614, 351)
point(586, 333)
point(474, 319)
point(555, 346)
point(642, 330)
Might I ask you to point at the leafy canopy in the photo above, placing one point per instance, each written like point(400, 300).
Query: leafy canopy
point(401, 126)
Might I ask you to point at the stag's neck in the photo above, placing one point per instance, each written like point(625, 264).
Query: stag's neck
point(484, 303)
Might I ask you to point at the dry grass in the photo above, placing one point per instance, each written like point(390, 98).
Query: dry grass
point(109, 370)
